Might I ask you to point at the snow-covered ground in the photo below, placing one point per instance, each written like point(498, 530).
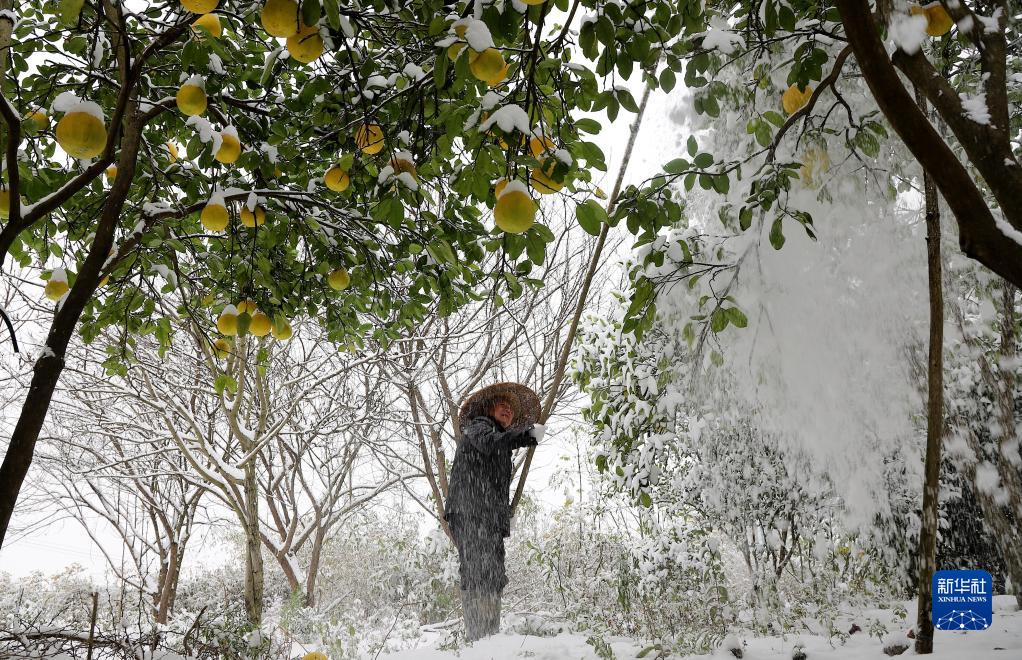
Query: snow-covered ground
point(1002, 641)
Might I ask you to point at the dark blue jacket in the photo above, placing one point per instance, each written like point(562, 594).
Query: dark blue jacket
point(480, 481)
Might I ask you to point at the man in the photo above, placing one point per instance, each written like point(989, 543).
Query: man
point(494, 422)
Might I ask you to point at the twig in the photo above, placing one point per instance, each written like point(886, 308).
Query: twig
point(594, 263)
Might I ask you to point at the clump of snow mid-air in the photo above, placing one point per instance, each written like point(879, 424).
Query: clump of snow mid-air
point(908, 32)
point(975, 107)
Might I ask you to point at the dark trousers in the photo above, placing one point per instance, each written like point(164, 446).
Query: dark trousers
point(483, 576)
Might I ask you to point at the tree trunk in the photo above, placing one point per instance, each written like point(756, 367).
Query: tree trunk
point(167, 584)
point(314, 560)
point(934, 420)
point(979, 236)
point(50, 364)
point(253, 548)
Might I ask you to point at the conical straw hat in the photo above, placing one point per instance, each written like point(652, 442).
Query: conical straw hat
point(523, 400)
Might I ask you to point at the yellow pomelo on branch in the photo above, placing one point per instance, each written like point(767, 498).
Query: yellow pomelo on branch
point(81, 134)
point(247, 307)
point(230, 149)
point(540, 144)
point(488, 65)
point(401, 164)
point(339, 279)
point(211, 23)
point(221, 348)
point(336, 179)
point(938, 21)
point(369, 138)
point(172, 152)
point(499, 78)
point(5, 203)
point(56, 290)
point(793, 99)
point(191, 100)
point(306, 45)
point(260, 325)
point(36, 121)
point(281, 330)
point(515, 211)
point(111, 172)
point(57, 285)
point(227, 322)
point(498, 187)
point(200, 6)
point(250, 219)
point(454, 50)
point(542, 178)
point(315, 655)
point(214, 217)
point(280, 17)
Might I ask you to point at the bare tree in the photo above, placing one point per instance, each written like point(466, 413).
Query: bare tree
point(439, 364)
point(329, 461)
point(138, 486)
point(287, 436)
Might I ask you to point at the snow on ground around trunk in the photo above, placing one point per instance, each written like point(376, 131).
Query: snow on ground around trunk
point(1001, 641)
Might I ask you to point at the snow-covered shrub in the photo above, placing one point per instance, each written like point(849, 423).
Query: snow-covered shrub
point(701, 455)
point(51, 617)
point(381, 580)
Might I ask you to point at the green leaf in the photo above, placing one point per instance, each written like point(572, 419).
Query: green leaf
point(737, 317)
point(586, 125)
point(745, 218)
point(676, 166)
point(225, 382)
point(441, 251)
point(718, 320)
point(333, 13)
point(710, 105)
point(667, 80)
point(786, 18)
point(692, 145)
point(774, 118)
point(770, 19)
point(627, 100)
point(591, 216)
point(311, 12)
point(777, 234)
point(605, 31)
point(69, 11)
point(440, 71)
